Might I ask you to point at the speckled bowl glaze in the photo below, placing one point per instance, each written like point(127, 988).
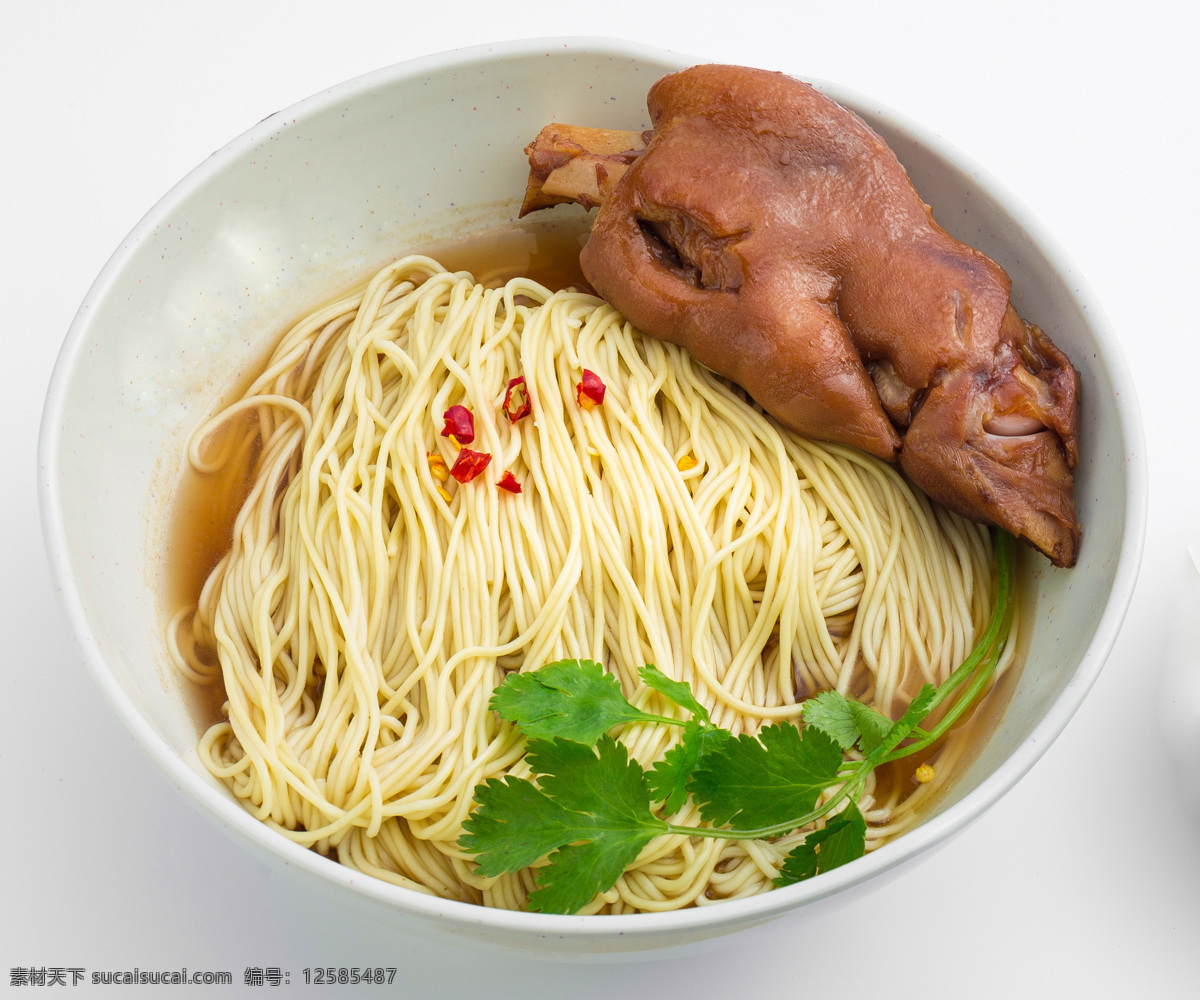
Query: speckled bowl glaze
point(318, 195)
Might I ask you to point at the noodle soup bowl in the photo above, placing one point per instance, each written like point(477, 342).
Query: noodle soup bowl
point(318, 196)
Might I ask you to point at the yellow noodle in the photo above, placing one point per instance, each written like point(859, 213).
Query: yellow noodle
point(361, 620)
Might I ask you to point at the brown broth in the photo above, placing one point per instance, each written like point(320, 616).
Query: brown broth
point(545, 251)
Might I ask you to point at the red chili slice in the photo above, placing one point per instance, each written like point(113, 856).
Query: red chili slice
point(590, 392)
point(509, 482)
point(469, 464)
point(460, 423)
point(516, 399)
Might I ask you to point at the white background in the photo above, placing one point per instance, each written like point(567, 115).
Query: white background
point(1083, 882)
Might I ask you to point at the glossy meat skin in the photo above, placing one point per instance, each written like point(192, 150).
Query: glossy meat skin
point(773, 234)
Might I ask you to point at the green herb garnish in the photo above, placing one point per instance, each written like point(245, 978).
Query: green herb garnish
point(591, 810)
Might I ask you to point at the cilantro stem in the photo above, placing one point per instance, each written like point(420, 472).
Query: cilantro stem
point(651, 717)
point(849, 789)
point(986, 654)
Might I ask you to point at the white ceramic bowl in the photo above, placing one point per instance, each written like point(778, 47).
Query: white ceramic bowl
point(325, 191)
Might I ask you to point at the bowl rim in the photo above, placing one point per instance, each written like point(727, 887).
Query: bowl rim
point(230, 815)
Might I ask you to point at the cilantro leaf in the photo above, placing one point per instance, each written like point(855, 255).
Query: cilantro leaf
point(843, 838)
point(873, 725)
point(607, 800)
point(514, 826)
point(571, 699)
point(676, 691)
point(591, 815)
point(846, 720)
point(767, 781)
point(669, 777)
point(577, 872)
point(590, 780)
